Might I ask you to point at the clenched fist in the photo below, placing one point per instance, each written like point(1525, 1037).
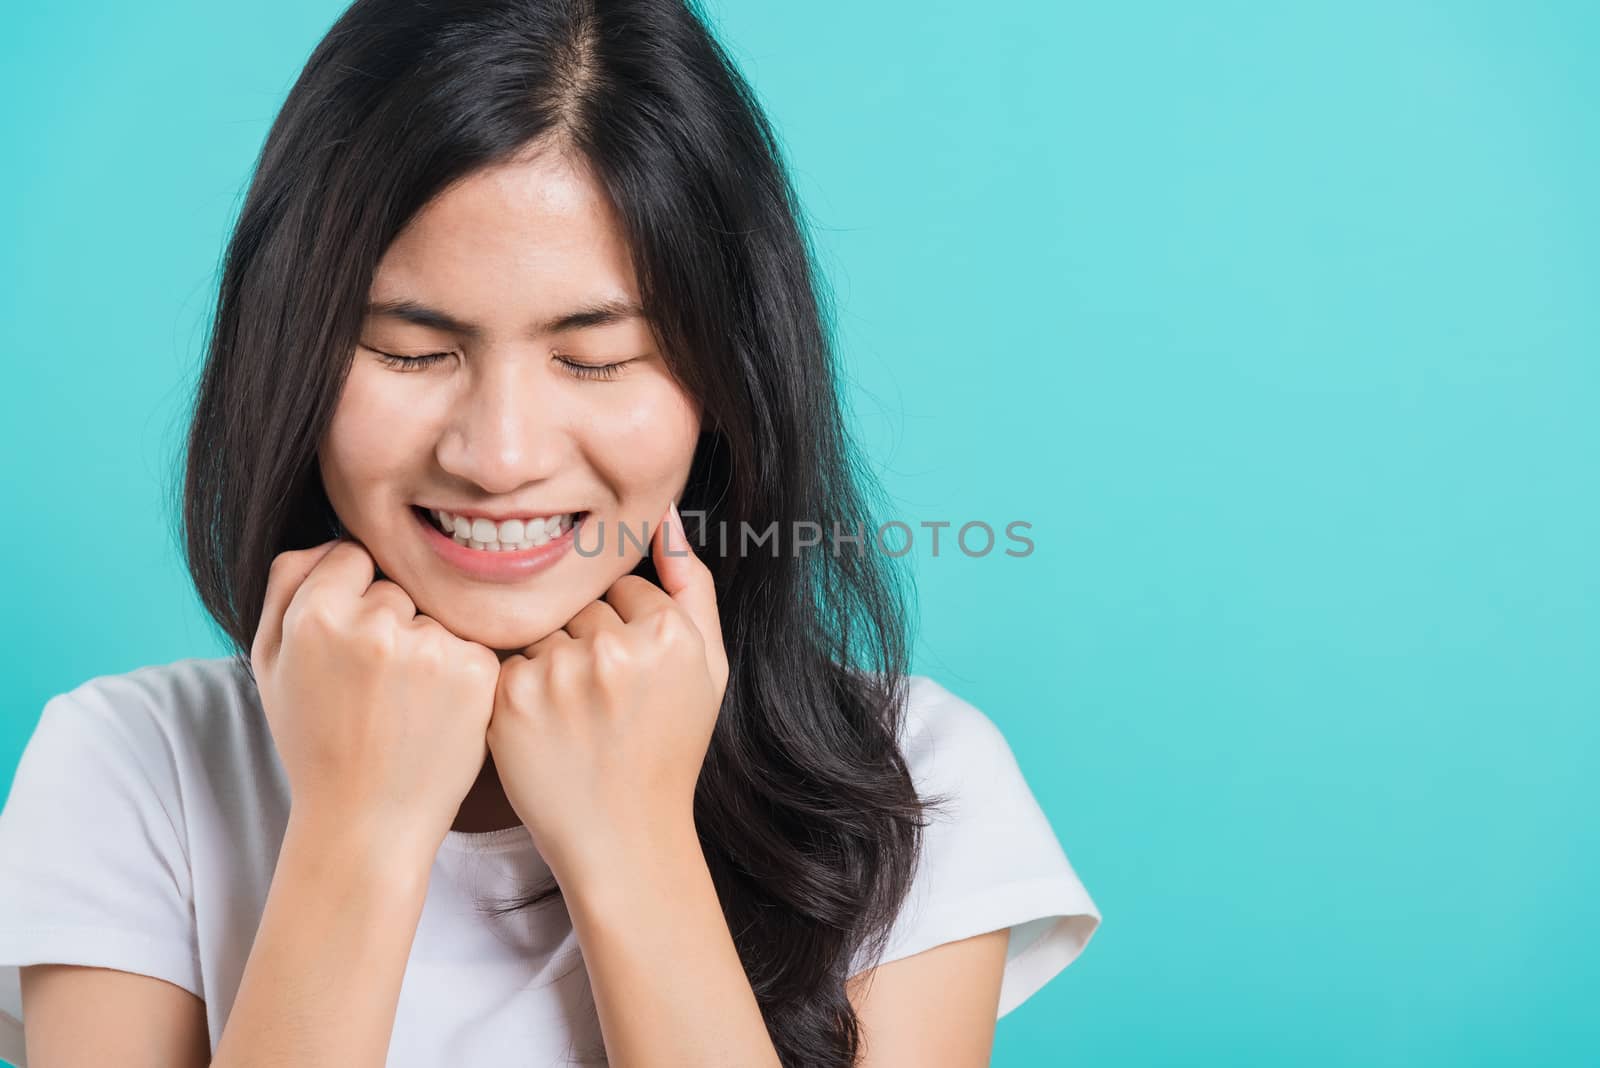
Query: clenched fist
point(380, 716)
point(600, 728)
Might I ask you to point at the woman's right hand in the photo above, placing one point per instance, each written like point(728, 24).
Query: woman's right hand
point(379, 714)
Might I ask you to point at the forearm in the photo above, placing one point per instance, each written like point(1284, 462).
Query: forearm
point(668, 984)
point(323, 979)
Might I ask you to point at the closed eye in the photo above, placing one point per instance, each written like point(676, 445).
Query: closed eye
point(409, 363)
point(593, 370)
point(577, 368)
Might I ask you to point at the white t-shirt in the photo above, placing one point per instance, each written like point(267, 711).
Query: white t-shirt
point(145, 818)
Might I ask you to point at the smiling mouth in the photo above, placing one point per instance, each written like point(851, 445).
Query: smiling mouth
point(532, 535)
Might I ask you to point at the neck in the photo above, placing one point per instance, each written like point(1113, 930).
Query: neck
point(485, 808)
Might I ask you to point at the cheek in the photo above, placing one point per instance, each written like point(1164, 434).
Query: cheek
point(375, 433)
point(648, 440)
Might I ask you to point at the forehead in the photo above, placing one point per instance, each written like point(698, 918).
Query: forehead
point(510, 242)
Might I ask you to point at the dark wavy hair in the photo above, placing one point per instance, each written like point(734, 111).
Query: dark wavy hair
point(808, 816)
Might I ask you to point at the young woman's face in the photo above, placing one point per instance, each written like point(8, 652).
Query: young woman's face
point(505, 425)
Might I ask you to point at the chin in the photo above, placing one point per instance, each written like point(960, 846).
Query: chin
point(505, 631)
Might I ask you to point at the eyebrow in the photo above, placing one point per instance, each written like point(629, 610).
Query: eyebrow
point(600, 313)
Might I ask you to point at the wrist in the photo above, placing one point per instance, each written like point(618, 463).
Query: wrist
point(395, 854)
point(594, 877)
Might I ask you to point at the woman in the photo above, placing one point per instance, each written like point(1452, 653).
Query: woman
point(512, 764)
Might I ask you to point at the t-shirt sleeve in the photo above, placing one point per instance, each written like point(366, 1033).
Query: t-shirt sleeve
point(93, 864)
point(990, 858)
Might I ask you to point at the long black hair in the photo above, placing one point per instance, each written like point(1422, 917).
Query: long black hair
point(808, 816)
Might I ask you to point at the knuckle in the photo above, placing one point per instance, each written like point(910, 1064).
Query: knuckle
point(309, 617)
point(671, 628)
point(564, 665)
point(610, 647)
point(480, 664)
point(378, 634)
point(512, 670)
point(518, 682)
point(429, 646)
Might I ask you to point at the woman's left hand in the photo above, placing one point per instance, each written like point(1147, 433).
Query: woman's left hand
point(599, 729)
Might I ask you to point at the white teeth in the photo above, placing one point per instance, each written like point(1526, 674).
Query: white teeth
point(509, 535)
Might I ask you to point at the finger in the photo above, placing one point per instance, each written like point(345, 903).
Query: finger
point(685, 576)
point(633, 596)
point(593, 618)
point(386, 594)
point(347, 569)
point(543, 644)
point(289, 571)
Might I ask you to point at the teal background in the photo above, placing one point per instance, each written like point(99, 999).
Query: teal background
point(1277, 322)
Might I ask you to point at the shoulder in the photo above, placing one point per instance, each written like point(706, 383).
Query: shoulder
point(186, 730)
point(161, 766)
point(181, 689)
point(933, 711)
point(947, 739)
point(188, 704)
point(136, 796)
point(989, 855)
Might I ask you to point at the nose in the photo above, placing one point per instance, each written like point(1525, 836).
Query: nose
point(506, 429)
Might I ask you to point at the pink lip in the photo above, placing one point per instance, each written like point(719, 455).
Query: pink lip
point(498, 567)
